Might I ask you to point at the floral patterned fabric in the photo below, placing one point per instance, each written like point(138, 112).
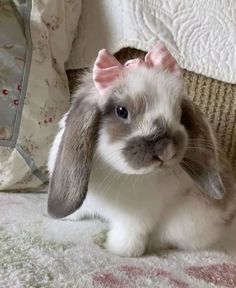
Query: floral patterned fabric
point(34, 90)
point(12, 58)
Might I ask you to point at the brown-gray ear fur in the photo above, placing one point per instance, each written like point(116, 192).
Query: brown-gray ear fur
point(70, 177)
point(201, 161)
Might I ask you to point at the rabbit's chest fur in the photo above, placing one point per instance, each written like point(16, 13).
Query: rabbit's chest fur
point(140, 196)
point(149, 212)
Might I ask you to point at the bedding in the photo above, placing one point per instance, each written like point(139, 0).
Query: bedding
point(200, 34)
point(39, 251)
point(36, 39)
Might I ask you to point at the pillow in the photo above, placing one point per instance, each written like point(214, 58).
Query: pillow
point(35, 42)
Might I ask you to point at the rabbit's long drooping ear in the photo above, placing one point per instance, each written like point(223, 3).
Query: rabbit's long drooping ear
point(201, 160)
point(69, 179)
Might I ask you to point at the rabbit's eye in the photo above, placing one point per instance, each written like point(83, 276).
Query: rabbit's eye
point(121, 112)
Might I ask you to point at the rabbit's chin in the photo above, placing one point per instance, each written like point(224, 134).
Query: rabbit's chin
point(124, 168)
point(142, 171)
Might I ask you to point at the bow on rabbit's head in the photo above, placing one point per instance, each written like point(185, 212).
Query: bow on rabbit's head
point(107, 68)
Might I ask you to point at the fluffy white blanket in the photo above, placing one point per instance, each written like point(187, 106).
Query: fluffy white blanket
point(38, 251)
point(201, 34)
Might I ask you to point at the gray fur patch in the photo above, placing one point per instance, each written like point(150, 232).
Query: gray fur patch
point(200, 160)
point(141, 152)
point(69, 181)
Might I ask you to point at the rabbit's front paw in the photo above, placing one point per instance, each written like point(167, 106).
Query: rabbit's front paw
point(100, 238)
point(124, 243)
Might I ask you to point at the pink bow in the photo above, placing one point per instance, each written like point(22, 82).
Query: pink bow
point(107, 68)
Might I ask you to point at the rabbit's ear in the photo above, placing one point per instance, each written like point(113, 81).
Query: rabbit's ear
point(70, 176)
point(201, 160)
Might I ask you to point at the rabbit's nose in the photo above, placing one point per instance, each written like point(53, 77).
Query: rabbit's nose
point(164, 150)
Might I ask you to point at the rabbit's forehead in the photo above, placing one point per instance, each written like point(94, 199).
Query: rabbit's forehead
point(150, 93)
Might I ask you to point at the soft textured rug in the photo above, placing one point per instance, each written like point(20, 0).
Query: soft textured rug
point(38, 251)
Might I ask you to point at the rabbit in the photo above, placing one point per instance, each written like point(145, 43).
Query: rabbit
point(134, 150)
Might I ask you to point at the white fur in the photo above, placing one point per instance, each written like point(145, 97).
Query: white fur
point(56, 143)
point(114, 156)
point(190, 224)
point(153, 204)
point(145, 208)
